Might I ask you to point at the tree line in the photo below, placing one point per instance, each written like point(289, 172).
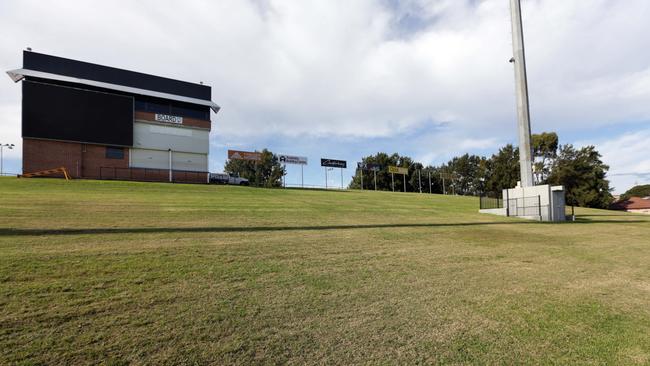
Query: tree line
point(580, 170)
point(267, 172)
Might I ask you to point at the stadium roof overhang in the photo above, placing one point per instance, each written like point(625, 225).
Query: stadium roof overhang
point(19, 74)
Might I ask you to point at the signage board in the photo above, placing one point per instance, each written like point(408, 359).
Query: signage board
point(398, 170)
point(369, 166)
point(290, 159)
point(168, 119)
point(244, 155)
point(333, 163)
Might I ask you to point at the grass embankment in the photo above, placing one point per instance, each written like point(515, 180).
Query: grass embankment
point(115, 272)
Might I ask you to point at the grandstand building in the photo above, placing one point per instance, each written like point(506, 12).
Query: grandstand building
point(101, 122)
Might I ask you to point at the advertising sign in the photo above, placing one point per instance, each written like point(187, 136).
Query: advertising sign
point(169, 119)
point(244, 155)
point(333, 163)
point(290, 159)
point(398, 170)
point(369, 166)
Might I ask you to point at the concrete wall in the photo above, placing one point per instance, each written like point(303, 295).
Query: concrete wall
point(158, 159)
point(542, 202)
point(162, 137)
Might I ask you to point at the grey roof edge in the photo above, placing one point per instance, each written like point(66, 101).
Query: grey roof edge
point(19, 74)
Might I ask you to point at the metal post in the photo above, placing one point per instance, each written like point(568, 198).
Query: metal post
point(521, 81)
point(302, 176)
point(539, 205)
point(341, 178)
point(392, 180)
point(430, 189)
point(507, 203)
point(375, 171)
point(444, 189)
point(325, 177)
point(170, 165)
point(420, 180)
point(404, 175)
point(361, 171)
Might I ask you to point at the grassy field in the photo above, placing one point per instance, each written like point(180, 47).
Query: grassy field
point(134, 273)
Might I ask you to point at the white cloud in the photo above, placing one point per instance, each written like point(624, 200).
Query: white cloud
point(628, 157)
point(347, 70)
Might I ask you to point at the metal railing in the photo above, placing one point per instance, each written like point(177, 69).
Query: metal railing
point(526, 206)
point(490, 200)
point(517, 207)
point(488, 203)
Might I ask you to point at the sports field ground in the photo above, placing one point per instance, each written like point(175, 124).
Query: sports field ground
point(98, 272)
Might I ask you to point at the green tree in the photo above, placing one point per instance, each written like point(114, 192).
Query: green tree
point(583, 176)
point(468, 173)
point(384, 179)
point(427, 172)
point(265, 173)
point(544, 147)
point(503, 170)
point(638, 191)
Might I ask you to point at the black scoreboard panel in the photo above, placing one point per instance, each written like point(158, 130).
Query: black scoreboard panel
point(63, 113)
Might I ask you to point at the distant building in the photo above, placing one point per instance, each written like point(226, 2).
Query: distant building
point(634, 204)
point(101, 122)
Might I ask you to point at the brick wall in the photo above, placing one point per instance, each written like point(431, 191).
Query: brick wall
point(43, 155)
point(86, 160)
point(81, 160)
point(94, 158)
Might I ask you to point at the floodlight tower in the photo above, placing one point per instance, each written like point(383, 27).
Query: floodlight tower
point(521, 84)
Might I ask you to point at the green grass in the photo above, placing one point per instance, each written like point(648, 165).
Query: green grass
point(134, 273)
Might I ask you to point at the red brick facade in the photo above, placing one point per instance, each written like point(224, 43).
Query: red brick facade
point(90, 161)
point(81, 160)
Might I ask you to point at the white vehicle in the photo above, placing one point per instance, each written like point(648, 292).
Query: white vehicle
point(225, 178)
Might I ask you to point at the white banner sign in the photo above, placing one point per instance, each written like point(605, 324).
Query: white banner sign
point(289, 159)
point(169, 119)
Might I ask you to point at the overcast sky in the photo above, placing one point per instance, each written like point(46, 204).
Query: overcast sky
point(344, 79)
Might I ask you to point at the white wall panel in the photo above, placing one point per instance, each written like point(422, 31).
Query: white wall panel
point(158, 137)
point(191, 162)
point(156, 159)
point(153, 159)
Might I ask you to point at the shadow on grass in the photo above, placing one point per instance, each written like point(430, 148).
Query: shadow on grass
point(248, 229)
point(621, 215)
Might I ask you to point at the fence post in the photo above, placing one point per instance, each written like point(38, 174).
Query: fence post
point(539, 205)
point(507, 203)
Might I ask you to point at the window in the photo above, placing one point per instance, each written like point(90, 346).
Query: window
point(173, 108)
point(114, 153)
point(197, 112)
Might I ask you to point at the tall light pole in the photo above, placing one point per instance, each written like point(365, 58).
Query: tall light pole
point(2, 146)
point(521, 84)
